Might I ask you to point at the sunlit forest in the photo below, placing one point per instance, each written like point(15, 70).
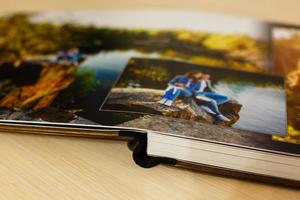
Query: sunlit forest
point(26, 48)
point(23, 39)
point(287, 63)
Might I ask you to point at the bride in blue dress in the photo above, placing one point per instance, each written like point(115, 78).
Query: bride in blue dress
point(195, 84)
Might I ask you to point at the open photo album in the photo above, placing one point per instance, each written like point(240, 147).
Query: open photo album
point(198, 90)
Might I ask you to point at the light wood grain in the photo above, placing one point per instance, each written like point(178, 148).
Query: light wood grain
point(275, 10)
point(51, 167)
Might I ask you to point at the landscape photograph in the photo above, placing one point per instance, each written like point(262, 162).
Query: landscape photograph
point(60, 66)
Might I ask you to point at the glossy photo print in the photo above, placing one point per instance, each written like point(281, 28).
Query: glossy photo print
point(286, 57)
point(200, 94)
point(59, 66)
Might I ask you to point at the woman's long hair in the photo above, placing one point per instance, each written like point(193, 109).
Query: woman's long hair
point(191, 75)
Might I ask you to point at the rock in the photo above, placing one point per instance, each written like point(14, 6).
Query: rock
point(13, 114)
point(81, 120)
point(145, 100)
point(200, 130)
point(50, 114)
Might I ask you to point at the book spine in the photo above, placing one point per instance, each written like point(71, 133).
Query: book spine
point(139, 147)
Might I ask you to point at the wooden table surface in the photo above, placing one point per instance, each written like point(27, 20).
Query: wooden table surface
point(51, 167)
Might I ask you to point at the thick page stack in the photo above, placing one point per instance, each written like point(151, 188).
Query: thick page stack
point(193, 89)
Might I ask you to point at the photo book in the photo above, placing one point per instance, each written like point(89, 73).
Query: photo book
point(209, 92)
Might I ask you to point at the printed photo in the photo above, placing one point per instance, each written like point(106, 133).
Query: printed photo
point(60, 66)
point(286, 57)
point(201, 94)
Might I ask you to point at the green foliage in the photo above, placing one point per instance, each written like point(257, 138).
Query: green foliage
point(154, 73)
point(84, 81)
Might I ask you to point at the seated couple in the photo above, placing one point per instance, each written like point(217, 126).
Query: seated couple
point(195, 84)
point(71, 57)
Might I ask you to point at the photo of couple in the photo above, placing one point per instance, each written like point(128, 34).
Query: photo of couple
point(198, 94)
point(196, 85)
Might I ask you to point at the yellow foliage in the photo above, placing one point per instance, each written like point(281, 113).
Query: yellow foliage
point(170, 53)
point(155, 73)
point(229, 42)
point(293, 140)
point(294, 136)
point(153, 32)
point(293, 132)
point(215, 62)
point(190, 36)
point(207, 61)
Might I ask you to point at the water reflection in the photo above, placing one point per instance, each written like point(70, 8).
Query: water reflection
point(263, 110)
point(109, 64)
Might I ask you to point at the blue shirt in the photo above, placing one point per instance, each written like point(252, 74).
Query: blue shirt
point(193, 86)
